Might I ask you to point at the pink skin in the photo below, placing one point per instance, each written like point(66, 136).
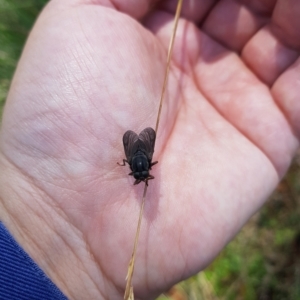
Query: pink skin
point(230, 127)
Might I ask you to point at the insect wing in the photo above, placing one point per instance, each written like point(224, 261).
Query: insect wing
point(147, 139)
point(130, 142)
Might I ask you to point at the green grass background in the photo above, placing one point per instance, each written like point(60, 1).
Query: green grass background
point(262, 262)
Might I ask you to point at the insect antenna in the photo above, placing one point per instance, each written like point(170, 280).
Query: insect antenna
point(129, 295)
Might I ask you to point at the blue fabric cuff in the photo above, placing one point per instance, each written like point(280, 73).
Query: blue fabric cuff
point(20, 276)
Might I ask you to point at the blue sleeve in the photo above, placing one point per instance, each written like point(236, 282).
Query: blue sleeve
point(20, 276)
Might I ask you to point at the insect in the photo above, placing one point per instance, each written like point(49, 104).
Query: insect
point(139, 151)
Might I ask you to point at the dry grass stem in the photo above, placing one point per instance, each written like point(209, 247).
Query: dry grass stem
point(129, 289)
point(178, 10)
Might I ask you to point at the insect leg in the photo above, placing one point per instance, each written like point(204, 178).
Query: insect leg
point(137, 181)
point(124, 161)
point(149, 178)
point(152, 164)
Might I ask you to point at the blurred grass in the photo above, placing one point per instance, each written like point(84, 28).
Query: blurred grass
point(16, 19)
point(262, 262)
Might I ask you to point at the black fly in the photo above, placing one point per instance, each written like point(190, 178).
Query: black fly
point(139, 151)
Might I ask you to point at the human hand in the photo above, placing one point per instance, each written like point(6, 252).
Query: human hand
point(229, 129)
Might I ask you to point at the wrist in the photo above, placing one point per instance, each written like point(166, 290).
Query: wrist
point(42, 229)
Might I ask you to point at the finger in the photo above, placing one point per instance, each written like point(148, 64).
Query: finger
point(135, 8)
point(246, 103)
point(286, 22)
point(232, 23)
point(286, 91)
point(267, 56)
point(276, 47)
point(234, 91)
point(192, 10)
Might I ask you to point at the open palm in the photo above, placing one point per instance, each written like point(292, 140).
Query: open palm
point(228, 133)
